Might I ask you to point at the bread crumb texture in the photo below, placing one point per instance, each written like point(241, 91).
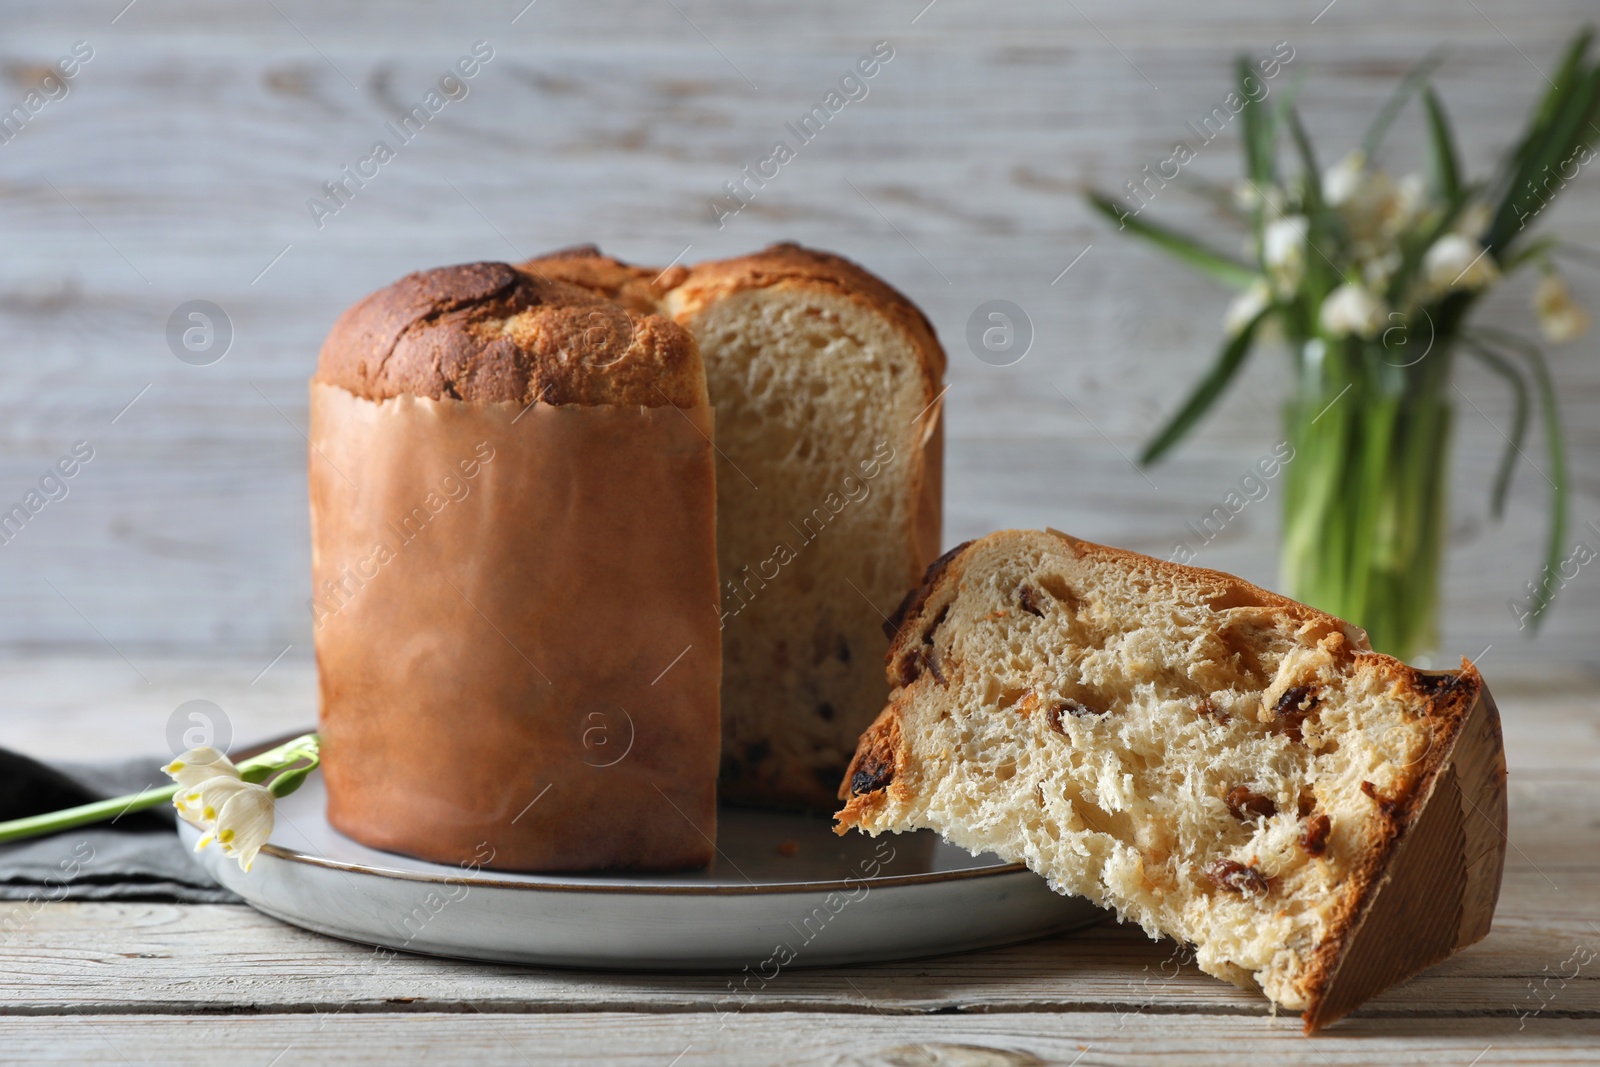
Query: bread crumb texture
point(806, 523)
point(1209, 760)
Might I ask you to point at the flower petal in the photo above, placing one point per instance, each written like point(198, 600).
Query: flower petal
point(201, 804)
point(198, 764)
point(1245, 307)
point(1352, 310)
point(1455, 261)
point(245, 822)
point(1561, 318)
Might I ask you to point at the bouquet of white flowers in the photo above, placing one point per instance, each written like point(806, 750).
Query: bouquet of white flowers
point(1370, 281)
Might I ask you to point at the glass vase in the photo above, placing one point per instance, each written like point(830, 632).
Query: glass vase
point(1364, 494)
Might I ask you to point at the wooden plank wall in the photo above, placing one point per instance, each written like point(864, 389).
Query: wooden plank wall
point(179, 164)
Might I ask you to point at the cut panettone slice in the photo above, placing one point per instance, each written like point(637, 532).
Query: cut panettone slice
point(829, 438)
point(1210, 760)
point(826, 384)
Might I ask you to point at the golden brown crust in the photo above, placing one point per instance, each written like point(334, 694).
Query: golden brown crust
point(639, 288)
point(911, 606)
point(792, 264)
point(877, 762)
point(1235, 591)
point(491, 332)
point(1379, 895)
point(882, 745)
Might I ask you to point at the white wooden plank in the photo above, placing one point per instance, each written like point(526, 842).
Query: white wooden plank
point(114, 959)
point(192, 140)
point(867, 1038)
point(109, 959)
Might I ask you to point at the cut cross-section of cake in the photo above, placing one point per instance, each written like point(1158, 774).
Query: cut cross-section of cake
point(827, 386)
point(1212, 761)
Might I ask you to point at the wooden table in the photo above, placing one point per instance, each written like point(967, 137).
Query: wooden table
point(179, 168)
point(164, 983)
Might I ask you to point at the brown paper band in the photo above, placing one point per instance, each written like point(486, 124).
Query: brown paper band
point(516, 630)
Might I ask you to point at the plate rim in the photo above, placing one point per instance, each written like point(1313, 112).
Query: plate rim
point(293, 855)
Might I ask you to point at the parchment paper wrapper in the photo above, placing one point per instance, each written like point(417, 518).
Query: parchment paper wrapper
point(516, 630)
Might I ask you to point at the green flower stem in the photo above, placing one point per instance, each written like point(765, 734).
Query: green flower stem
point(84, 814)
point(1550, 411)
point(254, 769)
point(1364, 495)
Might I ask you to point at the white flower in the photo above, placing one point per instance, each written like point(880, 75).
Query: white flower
point(236, 814)
point(239, 817)
point(1561, 318)
point(1410, 201)
point(198, 764)
point(1283, 250)
point(1475, 220)
point(199, 804)
point(1352, 310)
point(1373, 207)
point(244, 824)
point(193, 769)
point(1342, 181)
point(1457, 262)
point(1245, 307)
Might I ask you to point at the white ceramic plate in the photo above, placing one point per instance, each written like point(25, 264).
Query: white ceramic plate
point(784, 891)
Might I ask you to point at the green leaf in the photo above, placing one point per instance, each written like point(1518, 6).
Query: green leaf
point(1218, 265)
point(289, 781)
point(1323, 224)
point(1258, 137)
point(1206, 392)
point(1519, 420)
point(1308, 159)
point(1529, 190)
point(1533, 250)
point(1414, 80)
point(1567, 75)
point(1550, 415)
point(1444, 169)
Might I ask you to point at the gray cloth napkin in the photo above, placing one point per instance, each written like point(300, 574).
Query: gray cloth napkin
point(138, 857)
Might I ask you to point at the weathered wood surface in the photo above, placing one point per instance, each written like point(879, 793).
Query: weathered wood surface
point(179, 165)
point(178, 168)
point(120, 959)
point(863, 1039)
point(149, 982)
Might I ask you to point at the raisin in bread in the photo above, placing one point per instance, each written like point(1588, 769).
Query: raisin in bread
point(826, 384)
point(1212, 761)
